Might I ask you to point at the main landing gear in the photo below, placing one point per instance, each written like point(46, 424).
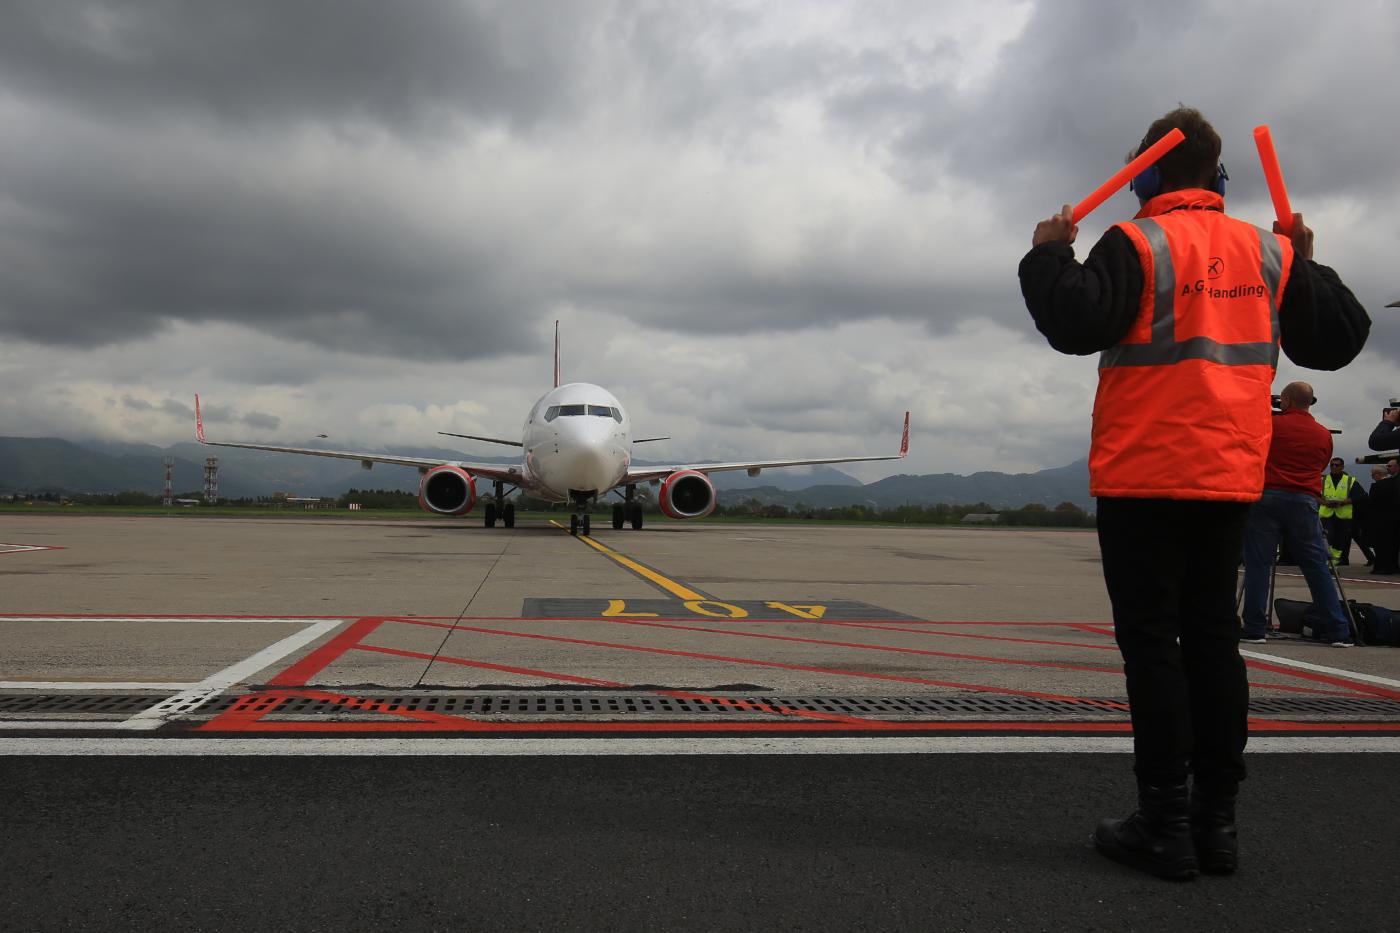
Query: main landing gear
point(628, 511)
point(498, 507)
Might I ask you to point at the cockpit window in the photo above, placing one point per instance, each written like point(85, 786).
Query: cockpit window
point(603, 411)
point(600, 411)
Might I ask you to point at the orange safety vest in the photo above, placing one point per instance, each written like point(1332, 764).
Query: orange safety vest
point(1182, 410)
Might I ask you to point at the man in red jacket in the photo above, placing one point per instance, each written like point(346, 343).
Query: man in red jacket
point(1298, 454)
point(1188, 307)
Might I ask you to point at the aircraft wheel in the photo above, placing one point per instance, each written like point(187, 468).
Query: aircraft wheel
point(636, 517)
point(573, 524)
point(617, 518)
point(508, 514)
point(587, 525)
point(490, 515)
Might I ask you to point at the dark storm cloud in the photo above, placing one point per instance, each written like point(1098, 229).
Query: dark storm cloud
point(410, 67)
point(106, 243)
point(157, 154)
point(214, 414)
point(1075, 91)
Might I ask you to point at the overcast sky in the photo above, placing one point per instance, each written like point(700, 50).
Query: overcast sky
point(768, 228)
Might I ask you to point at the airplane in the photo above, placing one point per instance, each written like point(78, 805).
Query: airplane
point(576, 447)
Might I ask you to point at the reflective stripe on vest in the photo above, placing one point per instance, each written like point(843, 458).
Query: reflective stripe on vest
point(1331, 490)
point(1164, 349)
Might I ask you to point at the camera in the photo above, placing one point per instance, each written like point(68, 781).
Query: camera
point(1394, 404)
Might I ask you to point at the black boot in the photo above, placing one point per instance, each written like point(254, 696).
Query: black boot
point(1156, 838)
point(1213, 829)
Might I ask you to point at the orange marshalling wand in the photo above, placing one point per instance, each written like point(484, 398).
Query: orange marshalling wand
point(1273, 174)
point(1127, 173)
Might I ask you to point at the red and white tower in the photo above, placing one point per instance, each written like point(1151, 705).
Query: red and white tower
point(211, 480)
point(169, 499)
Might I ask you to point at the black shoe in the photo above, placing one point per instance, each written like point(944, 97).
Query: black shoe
point(1156, 838)
point(1213, 830)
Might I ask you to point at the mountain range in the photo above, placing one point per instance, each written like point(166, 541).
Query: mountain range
point(45, 464)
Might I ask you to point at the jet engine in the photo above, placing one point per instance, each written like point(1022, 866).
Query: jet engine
point(687, 494)
point(447, 490)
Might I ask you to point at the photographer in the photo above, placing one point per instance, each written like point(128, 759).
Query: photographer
point(1386, 436)
point(1184, 378)
point(1288, 510)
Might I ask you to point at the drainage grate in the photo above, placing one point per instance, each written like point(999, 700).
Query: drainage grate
point(613, 705)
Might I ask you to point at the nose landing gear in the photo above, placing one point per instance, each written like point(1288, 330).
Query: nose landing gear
point(578, 522)
point(499, 508)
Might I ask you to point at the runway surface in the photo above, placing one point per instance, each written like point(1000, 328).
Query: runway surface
point(733, 696)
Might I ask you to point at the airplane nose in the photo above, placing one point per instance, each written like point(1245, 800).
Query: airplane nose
point(589, 468)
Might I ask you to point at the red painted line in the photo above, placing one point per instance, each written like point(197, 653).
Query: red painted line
point(1008, 638)
point(1093, 628)
point(678, 694)
point(246, 715)
point(949, 726)
point(1354, 685)
point(486, 665)
point(299, 673)
point(868, 647)
point(28, 548)
point(754, 662)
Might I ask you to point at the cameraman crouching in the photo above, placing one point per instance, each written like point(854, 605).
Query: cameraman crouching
point(1298, 454)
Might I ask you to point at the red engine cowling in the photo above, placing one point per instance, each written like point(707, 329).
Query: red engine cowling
point(687, 494)
point(447, 490)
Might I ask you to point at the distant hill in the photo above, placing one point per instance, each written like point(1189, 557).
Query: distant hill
point(34, 464)
point(1000, 490)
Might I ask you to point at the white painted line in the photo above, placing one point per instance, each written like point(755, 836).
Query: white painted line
point(89, 685)
point(196, 696)
point(1350, 580)
point(1321, 668)
point(31, 725)
point(930, 745)
point(7, 618)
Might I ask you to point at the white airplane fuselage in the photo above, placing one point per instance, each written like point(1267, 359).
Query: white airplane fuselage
point(577, 441)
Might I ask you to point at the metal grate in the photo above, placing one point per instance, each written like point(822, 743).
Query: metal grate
point(655, 704)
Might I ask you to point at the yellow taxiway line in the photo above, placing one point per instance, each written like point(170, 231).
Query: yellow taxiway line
point(671, 586)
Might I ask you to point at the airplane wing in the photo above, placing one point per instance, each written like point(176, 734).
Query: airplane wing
point(491, 471)
point(478, 437)
point(755, 466)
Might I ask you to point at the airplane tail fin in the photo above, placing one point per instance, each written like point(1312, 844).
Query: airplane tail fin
point(556, 354)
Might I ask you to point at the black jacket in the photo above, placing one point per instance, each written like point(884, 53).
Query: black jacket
point(1087, 308)
point(1386, 436)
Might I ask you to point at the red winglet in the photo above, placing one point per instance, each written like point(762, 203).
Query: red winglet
point(904, 444)
point(198, 421)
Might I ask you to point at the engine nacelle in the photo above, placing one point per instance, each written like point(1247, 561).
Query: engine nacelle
point(687, 494)
point(447, 490)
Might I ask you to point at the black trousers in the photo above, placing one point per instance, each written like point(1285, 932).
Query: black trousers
point(1170, 567)
point(1339, 535)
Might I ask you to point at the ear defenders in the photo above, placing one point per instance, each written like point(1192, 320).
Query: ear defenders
point(1148, 183)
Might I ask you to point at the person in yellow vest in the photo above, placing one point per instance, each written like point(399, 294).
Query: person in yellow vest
point(1340, 490)
point(1187, 307)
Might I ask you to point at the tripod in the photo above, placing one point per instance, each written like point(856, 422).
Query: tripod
point(1336, 579)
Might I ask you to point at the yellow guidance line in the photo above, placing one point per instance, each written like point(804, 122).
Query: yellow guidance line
point(670, 586)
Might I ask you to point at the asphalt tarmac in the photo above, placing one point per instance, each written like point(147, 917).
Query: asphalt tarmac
point(759, 842)
point(212, 724)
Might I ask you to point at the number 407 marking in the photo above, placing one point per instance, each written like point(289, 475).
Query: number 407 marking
point(714, 609)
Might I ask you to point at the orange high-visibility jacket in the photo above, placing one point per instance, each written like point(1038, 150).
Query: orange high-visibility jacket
point(1182, 410)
